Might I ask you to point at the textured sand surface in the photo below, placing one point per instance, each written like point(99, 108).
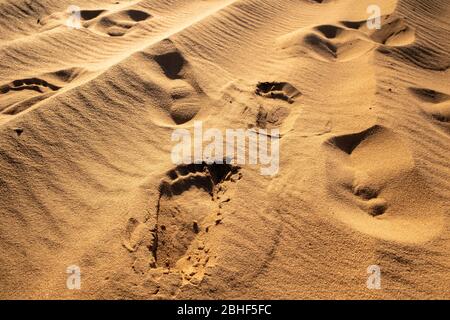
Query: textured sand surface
point(86, 177)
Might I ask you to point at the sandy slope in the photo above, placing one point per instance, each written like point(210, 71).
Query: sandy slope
point(86, 118)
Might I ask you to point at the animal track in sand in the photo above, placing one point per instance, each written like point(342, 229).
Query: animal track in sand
point(346, 40)
point(21, 94)
point(436, 104)
point(113, 23)
point(373, 172)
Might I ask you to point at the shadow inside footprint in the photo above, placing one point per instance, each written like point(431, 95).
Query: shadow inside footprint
point(348, 143)
point(277, 90)
point(436, 104)
point(332, 43)
point(114, 24)
point(429, 95)
point(374, 178)
point(394, 32)
point(87, 15)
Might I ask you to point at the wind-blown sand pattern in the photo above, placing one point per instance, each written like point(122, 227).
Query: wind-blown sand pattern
point(86, 117)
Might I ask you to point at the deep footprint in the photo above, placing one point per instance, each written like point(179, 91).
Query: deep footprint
point(277, 90)
point(347, 40)
point(188, 195)
point(101, 21)
point(435, 104)
point(361, 185)
point(21, 94)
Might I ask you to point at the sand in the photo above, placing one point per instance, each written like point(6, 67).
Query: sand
point(87, 180)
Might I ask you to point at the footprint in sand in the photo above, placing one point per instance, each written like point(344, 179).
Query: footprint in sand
point(434, 103)
point(374, 175)
point(277, 90)
point(270, 113)
point(366, 189)
point(346, 40)
point(394, 31)
point(190, 200)
point(185, 92)
point(113, 23)
point(21, 94)
point(188, 209)
point(180, 98)
point(116, 24)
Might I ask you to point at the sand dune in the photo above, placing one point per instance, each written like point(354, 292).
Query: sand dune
point(86, 121)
